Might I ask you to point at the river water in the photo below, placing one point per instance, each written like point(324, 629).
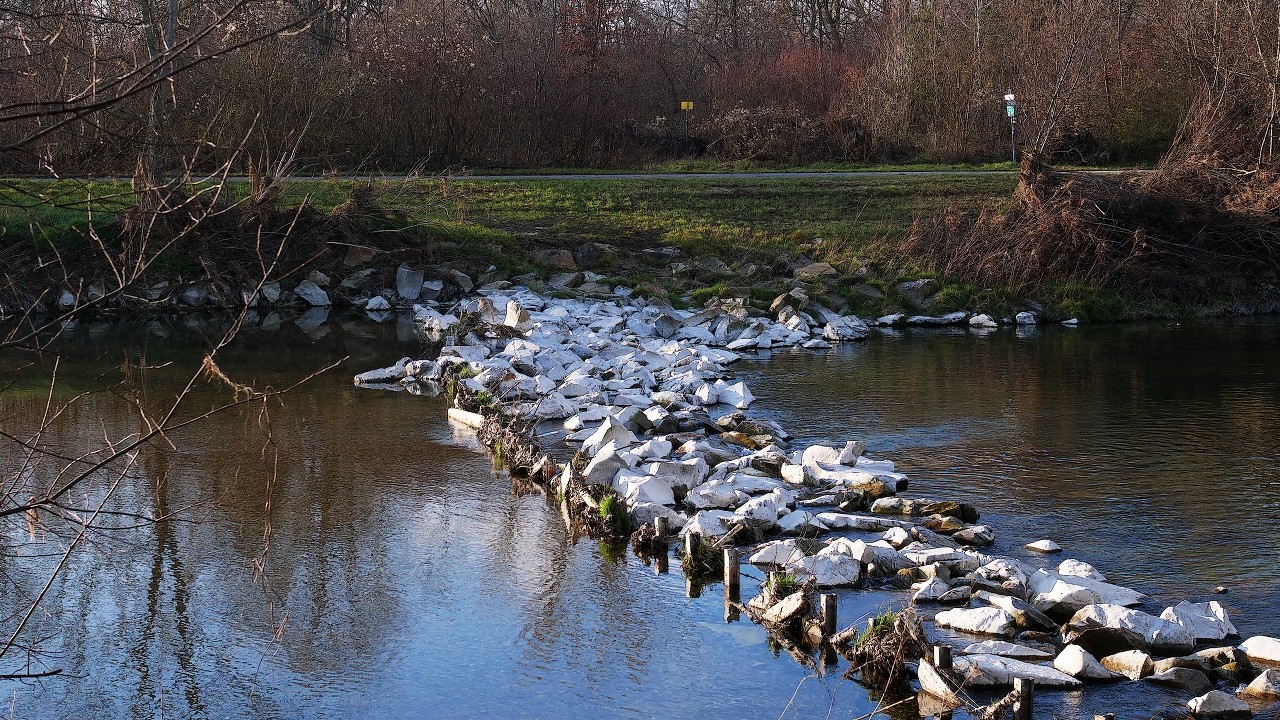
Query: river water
point(348, 552)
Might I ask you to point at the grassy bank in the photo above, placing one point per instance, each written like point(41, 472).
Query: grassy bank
point(762, 230)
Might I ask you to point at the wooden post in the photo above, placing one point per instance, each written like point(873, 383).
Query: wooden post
point(660, 527)
point(1026, 690)
point(942, 657)
point(828, 614)
point(691, 542)
point(732, 578)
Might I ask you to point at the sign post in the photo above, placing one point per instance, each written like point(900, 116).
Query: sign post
point(686, 106)
point(1011, 107)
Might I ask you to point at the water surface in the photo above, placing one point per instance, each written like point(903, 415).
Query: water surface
point(349, 552)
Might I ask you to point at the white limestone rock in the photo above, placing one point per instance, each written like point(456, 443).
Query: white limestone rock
point(896, 537)
point(982, 321)
point(997, 671)
point(736, 395)
point(778, 552)
point(1161, 635)
point(1044, 546)
point(1217, 704)
point(763, 508)
point(377, 302)
point(1075, 568)
point(851, 452)
point(1205, 621)
point(609, 431)
point(1078, 663)
point(384, 375)
point(800, 522)
point(655, 449)
point(1026, 318)
point(709, 523)
point(982, 621)
point(829, 570)
point(1051, 592)
point(408, 283)
point(1133, 664)
point(930, 591)
point(1262, 647)
point(606, 463)
point(717, 494)
point(1007, 649)
point(1264, 687)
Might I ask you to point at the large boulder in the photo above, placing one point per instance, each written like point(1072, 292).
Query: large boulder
point(997, 671)
point(1062, 596)
point(1261, 647)
point(1219, 705)
point(1264, 687)
point(1133, 664)
point(779, 552)
point(408, 283)
point(1006, 649)
point(1074, 661)
point(1160, 635)
point(982, 621)
point(1104, 641)
point(1187, 679)
point(917, 292)
point(1205, 621)
point(312, 293)
point(1024, 614)
point(787, 609)
point(829, 570)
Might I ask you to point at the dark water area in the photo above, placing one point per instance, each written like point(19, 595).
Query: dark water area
point(352, 553)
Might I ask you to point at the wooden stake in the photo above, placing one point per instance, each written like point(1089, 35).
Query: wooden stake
point(1026, 690)
point(691, 542)
point(732, 575)
point(660, 527)
point(942, 657)
point(828, 614)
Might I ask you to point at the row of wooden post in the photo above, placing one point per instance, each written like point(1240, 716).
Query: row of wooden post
point(1024, 687)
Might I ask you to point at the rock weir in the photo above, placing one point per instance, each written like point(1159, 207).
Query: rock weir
point(645, 395)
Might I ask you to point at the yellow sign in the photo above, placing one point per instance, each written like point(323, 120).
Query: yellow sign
point(686, 104)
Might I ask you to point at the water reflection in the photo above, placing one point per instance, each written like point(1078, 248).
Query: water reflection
point(349, 553)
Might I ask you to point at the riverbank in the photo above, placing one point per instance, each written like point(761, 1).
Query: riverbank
point(837, 240)
point(634, 380)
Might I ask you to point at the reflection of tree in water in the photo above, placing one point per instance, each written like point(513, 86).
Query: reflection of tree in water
point(166, 569)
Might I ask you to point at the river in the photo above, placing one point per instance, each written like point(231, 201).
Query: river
point(349, 552)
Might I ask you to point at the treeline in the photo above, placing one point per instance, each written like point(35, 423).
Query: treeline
point(100, 86)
